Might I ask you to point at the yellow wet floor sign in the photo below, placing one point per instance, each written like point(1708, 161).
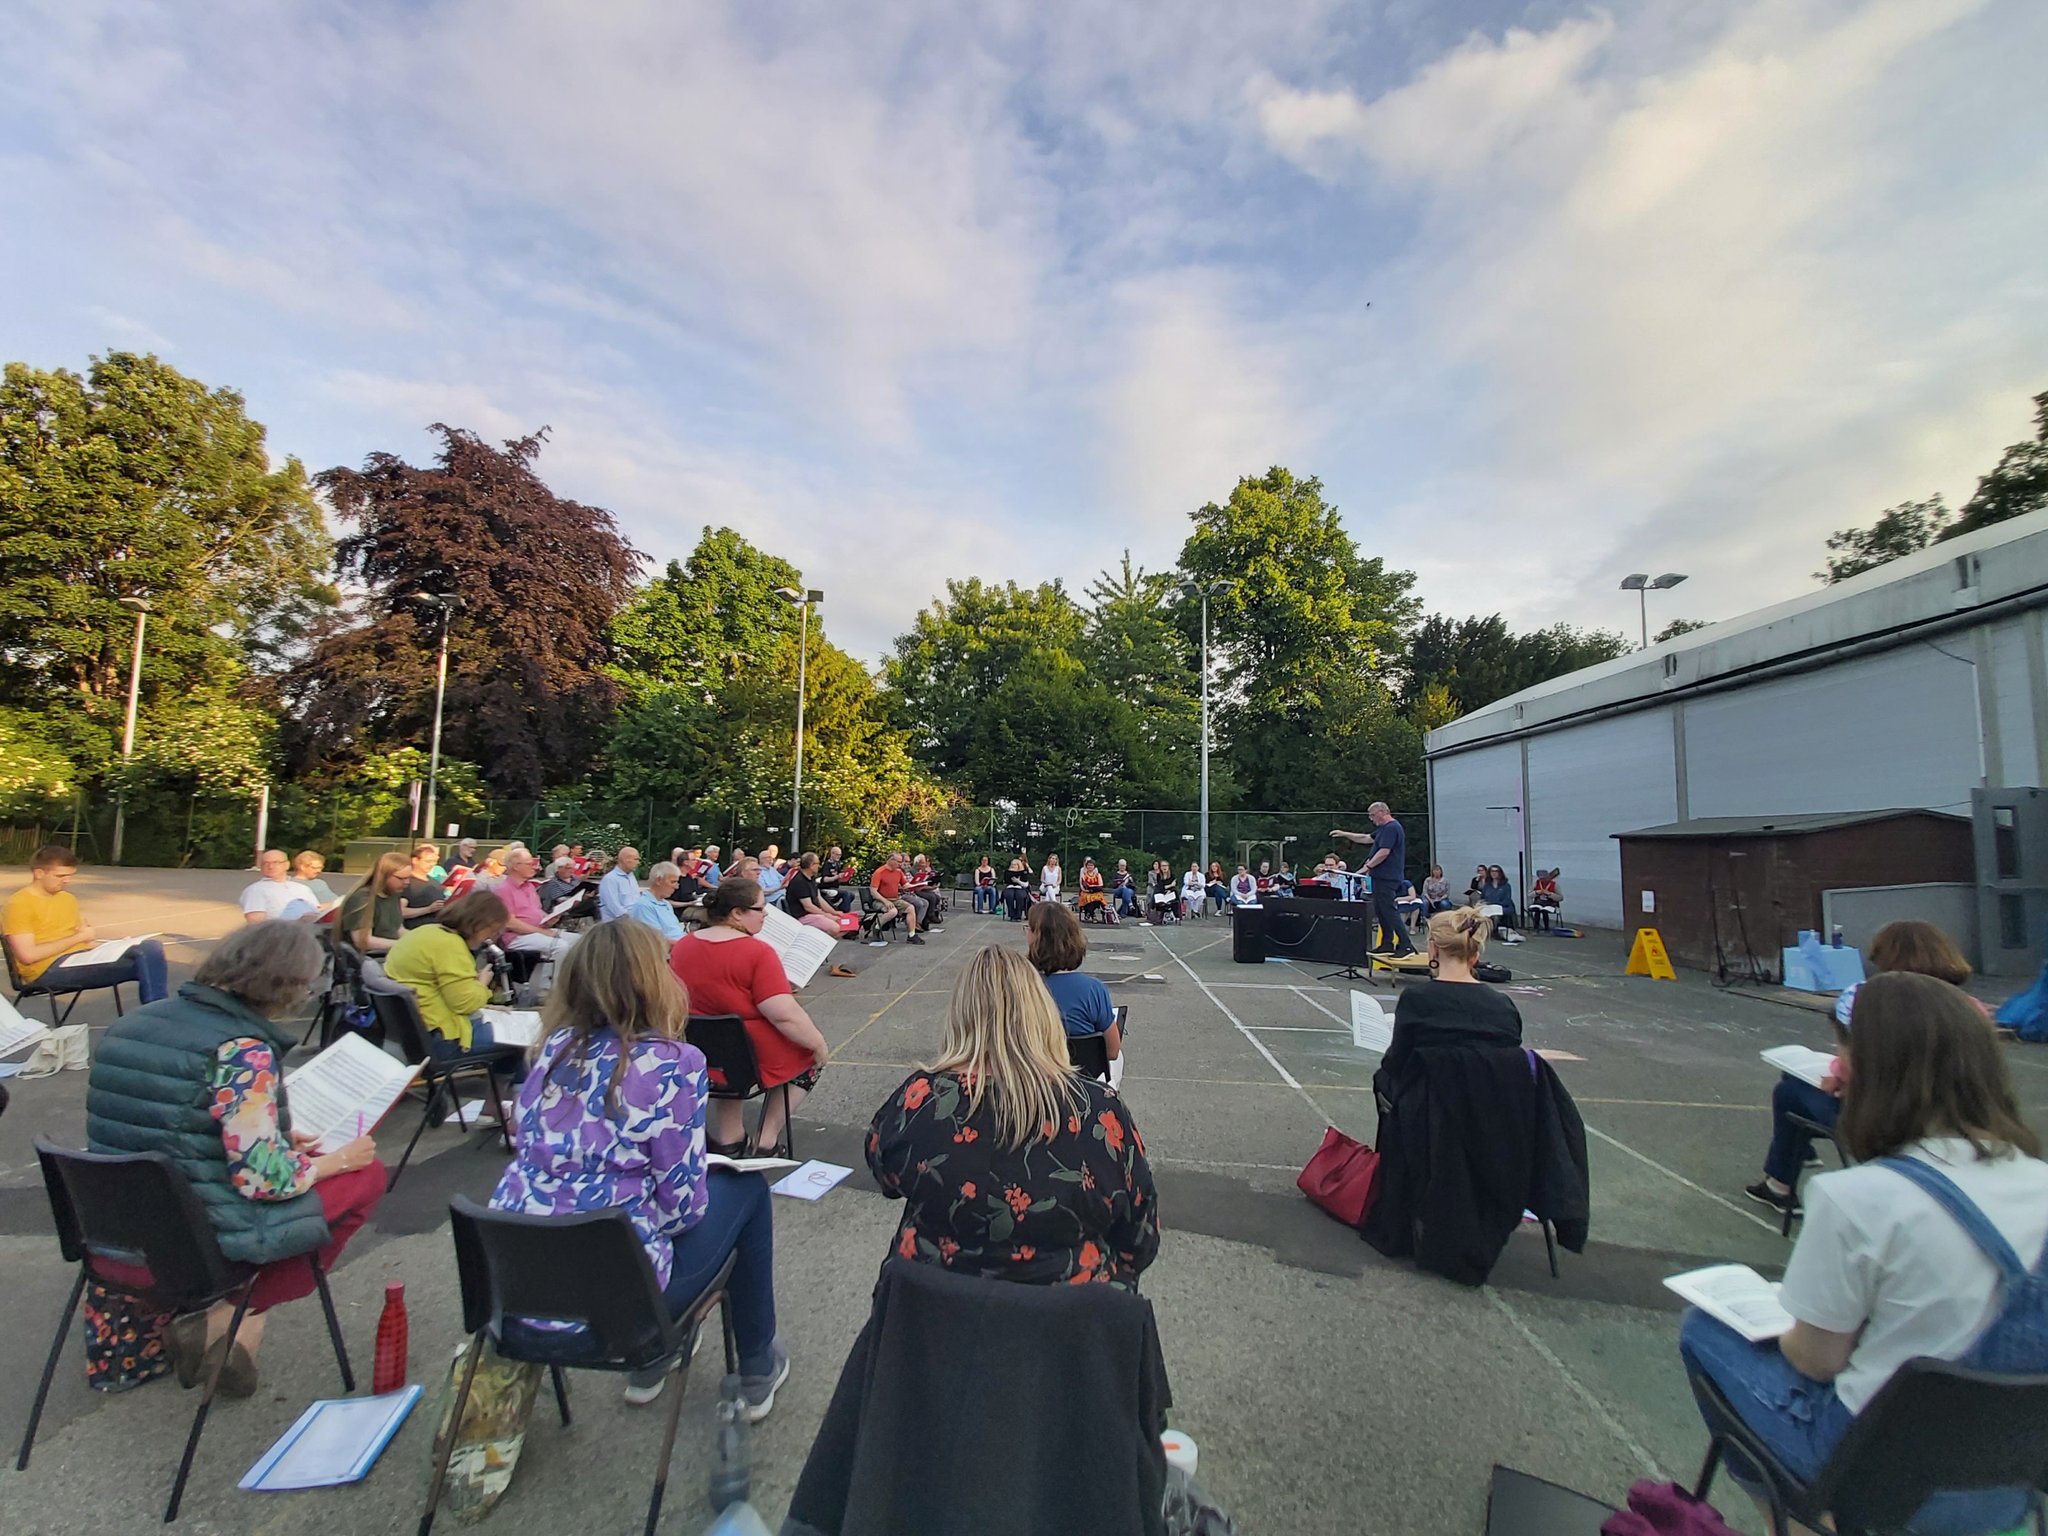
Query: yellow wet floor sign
point(1648, 957)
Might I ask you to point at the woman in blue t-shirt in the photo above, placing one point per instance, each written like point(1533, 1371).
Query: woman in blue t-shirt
point(1057, 947)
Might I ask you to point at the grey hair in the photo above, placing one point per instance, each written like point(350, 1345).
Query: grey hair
point(1378, 805)
point(269, 966)
point(664, 871)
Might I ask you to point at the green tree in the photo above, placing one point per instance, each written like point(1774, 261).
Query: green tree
point(136, 481)
point(1477, 660)
point(1676, 628)
point(2018, 485)
point(1900, 530)
point(702, 620)
point(1135, 649)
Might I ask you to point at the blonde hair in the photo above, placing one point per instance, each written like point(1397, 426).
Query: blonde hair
point(1460, 934)
point(1003, 1040)
point(616, 978)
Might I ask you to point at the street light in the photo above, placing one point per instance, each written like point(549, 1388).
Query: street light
point(803, 601)
point(140, 605)
point(1204, 591)
point(446, 603)
point(1641, 584)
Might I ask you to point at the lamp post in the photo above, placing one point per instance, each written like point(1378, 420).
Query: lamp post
point(803, 602)
point(446, 604)
point(1204, 591)
point(1641, 584)
point(140, 605)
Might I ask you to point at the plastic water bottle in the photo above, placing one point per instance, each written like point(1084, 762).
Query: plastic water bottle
point(739, 1520)
point(393, 1343)
point(732, 1478)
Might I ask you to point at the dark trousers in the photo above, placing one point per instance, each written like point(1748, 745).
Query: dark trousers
point(1386, 912)
point(737, 1219)
point(144, 964)
point(480, 1036)
point(1789, 1144)
point(1016, 901)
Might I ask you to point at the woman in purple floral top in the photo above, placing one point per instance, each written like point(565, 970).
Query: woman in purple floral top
point(612, 1114)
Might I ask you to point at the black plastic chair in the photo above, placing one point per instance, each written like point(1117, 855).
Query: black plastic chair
point(138, 1209)
point(1817, 1132)
point(1934, 1427)
point(877, 918)
point(729, 1055)
point(399, 1015)
point(587, 1268)
point(50, 986)
point(1089, 1055)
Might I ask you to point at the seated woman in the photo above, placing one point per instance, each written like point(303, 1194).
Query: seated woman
point(1882, 1272)
point(1908, 945)
point(1544, 898)
point(726, 968)
point(1216, 887)
point(1243, 888)
point(984, 887)
point(1017, 889)
point(1094, 895)
point(307, 866)
point(197, 1077)
point(1194, 891)
point(1497, 892)
point(1123, 889)
point(439, 961)
point(975, 1145)
point(1050, 879)
point(1056, 947)
point(612, 1115)
point(1436, 893)
point(1165, 893)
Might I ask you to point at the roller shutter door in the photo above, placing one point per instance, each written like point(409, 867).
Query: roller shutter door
point(1588, 783)
point(1465, 830)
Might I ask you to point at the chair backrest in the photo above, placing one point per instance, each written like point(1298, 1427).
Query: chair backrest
point(404, 1025)
point(14, 979)
point(586, 1267)
point(1935, 1426)
point(134, 1208)
point(729, 1061)
point(1089, 1054)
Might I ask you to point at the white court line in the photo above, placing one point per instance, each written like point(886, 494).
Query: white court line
point(1267, 986)
point(1253, 1040)
point(1622, 1146)
point(1297, 1029)
point(1579, 1389)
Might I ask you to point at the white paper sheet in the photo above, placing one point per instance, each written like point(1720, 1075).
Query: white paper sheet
point(1371, 1029)
point(335, 1441)
point(106, 952)
point(813, 1181)
point(1803, 1062)
point(514, 1026)
point(801, 948)
point(1738, 1296)
point(16, 1032)
point(344, 1091)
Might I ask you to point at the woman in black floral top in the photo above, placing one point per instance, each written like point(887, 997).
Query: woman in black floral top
point(1010, 1164)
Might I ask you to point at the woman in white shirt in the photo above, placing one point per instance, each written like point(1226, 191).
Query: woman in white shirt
point(1193, 891)
point(1882, 1273)
point(1049, 878)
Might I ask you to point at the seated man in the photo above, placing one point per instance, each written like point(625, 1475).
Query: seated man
point(803, 900)
point(529, 930)
point(771, 876)
point(654, 907)
point(562, 881)
point(886, 886)
point(307, 866)
point(922, 886)
point(619, 890)
point(465, 856)
point(424, 894)
point(277, 895)
point(710, 874)
point(42, 925)
point(832, 878)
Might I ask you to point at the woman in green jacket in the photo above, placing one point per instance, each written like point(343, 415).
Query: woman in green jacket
point(438, 960)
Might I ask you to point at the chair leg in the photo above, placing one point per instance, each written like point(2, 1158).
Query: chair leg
point(1550, 1243)
point(117, 1001)
point(348, 1377)
point(668, 1445)
point(426, 1114)
point(788, 1124)
point(35, 1414)
point(1708, 1468)
point(732, 1347)
point(561, 1393)
point(206, 1402)
point(498, 1098)
point(476, 1353)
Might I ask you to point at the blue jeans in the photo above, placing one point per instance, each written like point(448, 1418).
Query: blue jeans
point(984, 898)
point(1789, 1144)
point(1802, 1421)
point(144, 964)
point(481, 1037)
point(737, 1220)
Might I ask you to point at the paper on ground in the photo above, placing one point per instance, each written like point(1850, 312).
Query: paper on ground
point(514, 1026)
point(812, 1181)
point(335, 1441)
point(801, 948)
point(16, 1032)
point(1803, 1062)
point(1371, 1029)
point(106, 952)
point(344, 1091)
point(1738, 1296)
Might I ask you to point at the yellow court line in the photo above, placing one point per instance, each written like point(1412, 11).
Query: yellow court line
point(920, 976)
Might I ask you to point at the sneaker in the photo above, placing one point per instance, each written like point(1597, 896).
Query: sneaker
point(878, 943)
point(1762, 1193)
point(759, 1391)
point(640, 1393)
point(915, 938)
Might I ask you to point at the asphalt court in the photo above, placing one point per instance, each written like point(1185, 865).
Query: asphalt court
point(1331, 1391)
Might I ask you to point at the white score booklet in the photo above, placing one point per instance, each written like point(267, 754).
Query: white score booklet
point(1738, 1296)
point(800, 947)
point(1801, 1061)
point(344, 1091)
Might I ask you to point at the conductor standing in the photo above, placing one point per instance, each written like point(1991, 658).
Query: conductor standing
point(1389, 857)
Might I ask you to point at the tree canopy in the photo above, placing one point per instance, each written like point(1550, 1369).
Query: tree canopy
point(1475, 661)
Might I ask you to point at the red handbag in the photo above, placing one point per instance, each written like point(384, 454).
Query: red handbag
point(1342, 1177)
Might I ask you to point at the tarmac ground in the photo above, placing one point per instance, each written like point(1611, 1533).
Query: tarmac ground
point(1330, 1390)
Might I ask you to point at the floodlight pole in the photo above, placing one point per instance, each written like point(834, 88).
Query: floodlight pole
point(141, 607)
point(447, 607)
point(803, 601)
point(1204, 592)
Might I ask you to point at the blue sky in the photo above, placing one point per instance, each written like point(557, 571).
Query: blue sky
point(915, 290)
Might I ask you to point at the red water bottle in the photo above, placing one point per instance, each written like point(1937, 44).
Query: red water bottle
point(392, 1342)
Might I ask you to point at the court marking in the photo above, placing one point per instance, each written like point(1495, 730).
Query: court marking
point(1298, 1029)
point(920, 976)
point(1580, 1390)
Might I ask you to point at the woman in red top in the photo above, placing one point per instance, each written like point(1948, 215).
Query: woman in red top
point(725, 967)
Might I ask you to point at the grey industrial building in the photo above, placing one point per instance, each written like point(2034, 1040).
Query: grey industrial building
point(1919, 686)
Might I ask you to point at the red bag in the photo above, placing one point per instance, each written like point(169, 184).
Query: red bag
point(1342, 1177)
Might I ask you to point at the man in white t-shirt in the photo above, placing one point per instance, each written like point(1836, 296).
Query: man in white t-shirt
point(277, 896)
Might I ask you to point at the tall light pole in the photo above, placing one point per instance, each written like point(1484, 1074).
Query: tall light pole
point(804, 601)
point(141, 607)
point(445, 604)
point(1641, 584)
point(1205, 591)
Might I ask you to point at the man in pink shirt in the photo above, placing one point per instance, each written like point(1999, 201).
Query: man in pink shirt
point(529, 931)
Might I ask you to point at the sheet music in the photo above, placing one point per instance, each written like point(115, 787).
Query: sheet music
point(514, 1026)
point(104, 953)
point(351, 1084)
point(1371, 1029)
point(564, 904)
point(1802, 1062)
point(801, 947)
point(16, 1032)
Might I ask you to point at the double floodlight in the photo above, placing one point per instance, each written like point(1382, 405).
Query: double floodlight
point(1639, 582)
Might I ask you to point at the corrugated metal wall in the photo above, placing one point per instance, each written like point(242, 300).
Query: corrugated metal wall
point(1589, 783)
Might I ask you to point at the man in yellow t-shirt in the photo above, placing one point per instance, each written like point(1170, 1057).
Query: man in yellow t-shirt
point(42, 924)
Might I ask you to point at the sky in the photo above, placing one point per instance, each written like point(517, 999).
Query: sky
point(1543, 293)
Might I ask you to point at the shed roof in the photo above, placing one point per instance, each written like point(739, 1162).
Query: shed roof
point(1780, 826)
